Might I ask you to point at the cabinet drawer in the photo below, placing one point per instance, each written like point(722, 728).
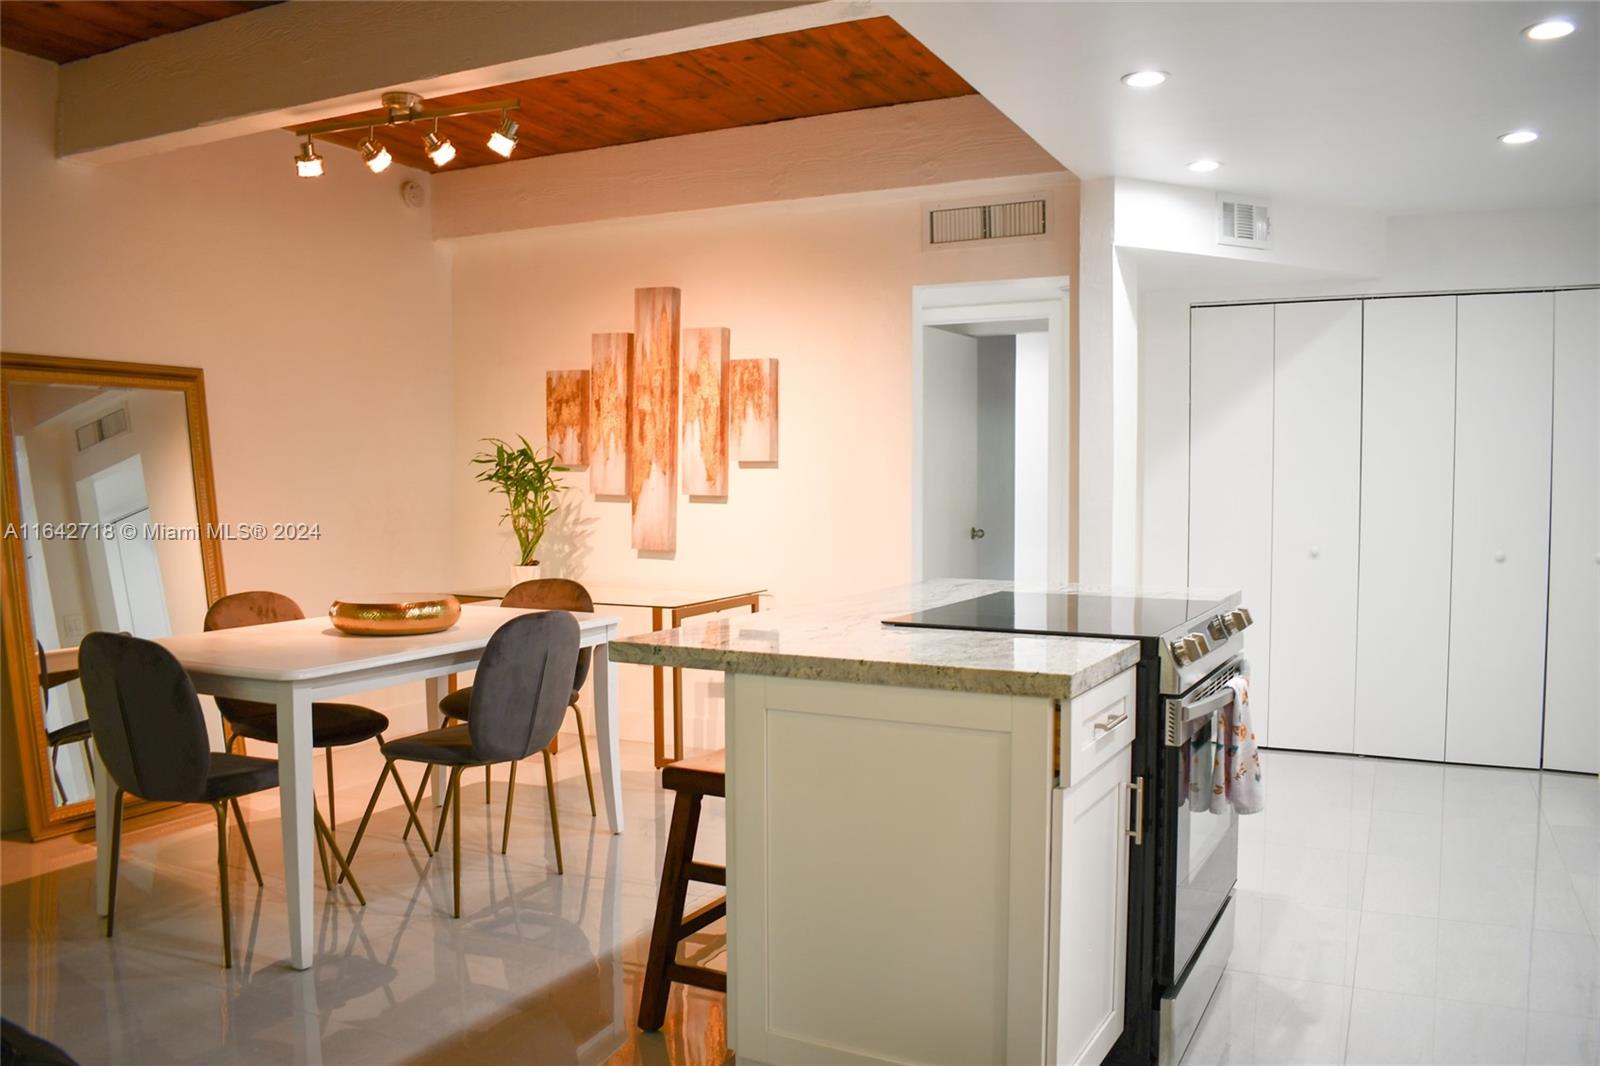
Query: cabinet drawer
point(1097, 725)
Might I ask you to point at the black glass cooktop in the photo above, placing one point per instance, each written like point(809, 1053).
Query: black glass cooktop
point(1063, 614)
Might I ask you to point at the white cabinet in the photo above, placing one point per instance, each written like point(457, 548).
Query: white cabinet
point(1499, 571)
point(1230, 471)
point(1316, 497)
point(1088, 949)
point(1572, 673)
point(1407, 459)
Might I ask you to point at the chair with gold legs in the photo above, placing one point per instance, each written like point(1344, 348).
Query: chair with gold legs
point(151, 735)
point(519, 698)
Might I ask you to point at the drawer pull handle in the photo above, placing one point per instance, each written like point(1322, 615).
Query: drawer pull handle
point(1111, 722)
point(1137, 832)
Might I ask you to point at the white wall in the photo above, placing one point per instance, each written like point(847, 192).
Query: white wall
point(1031, 470)
point(823, 285)
point(1421, 253)
point(319, 311)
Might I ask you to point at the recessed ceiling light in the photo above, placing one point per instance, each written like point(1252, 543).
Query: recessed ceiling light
point(1204, 166)
point(1549, 30)
point(1519, 137)
point(1144, 79)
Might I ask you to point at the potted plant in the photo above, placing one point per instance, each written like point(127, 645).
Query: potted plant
point(530, 487)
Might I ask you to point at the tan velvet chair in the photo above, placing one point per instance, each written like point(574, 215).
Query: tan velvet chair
point(333, 725)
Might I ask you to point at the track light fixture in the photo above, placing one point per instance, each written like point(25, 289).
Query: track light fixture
point(439, 149)
point(403, 108)
point(307, 163)
point(375, 155)
point(504, 139)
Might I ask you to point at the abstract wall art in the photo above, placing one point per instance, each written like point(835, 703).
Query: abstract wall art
point(704, 455)
point(609, 366)
point(566, 416)
point(753, 409)
point(653, 403)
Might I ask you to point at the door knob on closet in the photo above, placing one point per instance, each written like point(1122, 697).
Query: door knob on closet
point(975, 533)
point(1499, 557)
point(1316, 553)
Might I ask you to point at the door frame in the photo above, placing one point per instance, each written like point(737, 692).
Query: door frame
point(1003, 301)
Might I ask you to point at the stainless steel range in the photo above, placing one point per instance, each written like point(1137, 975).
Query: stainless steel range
point(1180, 931)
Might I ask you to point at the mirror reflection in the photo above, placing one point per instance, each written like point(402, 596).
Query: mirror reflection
point(110, 536)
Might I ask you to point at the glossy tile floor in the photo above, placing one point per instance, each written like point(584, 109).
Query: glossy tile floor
point(1395, 912)
point(540, 969)
point(1388, 912)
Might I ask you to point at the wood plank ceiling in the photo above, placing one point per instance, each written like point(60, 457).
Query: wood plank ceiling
point(821, 71)
point(76, 29)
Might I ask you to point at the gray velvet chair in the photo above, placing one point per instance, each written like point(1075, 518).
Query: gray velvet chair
point(333, 725)
point(551, 594)
point(518, 700)
point(151, 735)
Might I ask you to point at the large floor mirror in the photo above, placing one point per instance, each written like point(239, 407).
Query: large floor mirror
point(110, 523)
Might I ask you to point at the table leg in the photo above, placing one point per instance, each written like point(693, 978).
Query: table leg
point(105, 792)
point(435, 689)
point(658, 693)
point(607, 728)
point(677, 700)
point(296, 801)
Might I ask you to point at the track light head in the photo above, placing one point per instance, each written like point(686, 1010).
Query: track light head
point(375, 155)
point(439, 149)
point(504, 139)
point(307, 163)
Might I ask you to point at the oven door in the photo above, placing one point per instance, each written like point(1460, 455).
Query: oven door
point(1203, 859)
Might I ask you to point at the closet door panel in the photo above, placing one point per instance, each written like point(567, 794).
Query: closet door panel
point(1230, 470)
point(1407, 459)
point(1499, 561)
point(1316, 499)
point(1572, 673)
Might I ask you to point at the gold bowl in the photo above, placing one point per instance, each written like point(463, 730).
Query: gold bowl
point(393, 616)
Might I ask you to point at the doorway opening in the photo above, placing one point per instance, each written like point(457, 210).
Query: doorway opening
point(991, 384)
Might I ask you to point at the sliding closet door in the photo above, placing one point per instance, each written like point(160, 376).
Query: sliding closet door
point(1408, 414)
point(1316, 501)
point(1572, 675)
point(1230, 469)
point(1502, 529)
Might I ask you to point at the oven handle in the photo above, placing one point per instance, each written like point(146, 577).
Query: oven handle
point(1183, 713)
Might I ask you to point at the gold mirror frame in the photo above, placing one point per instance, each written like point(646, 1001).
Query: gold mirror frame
point(22, 695)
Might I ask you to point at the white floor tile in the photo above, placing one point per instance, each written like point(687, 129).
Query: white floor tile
point(1405, 833)
point(1409, 787)
point(1565, 974)
point(1300, 1021)
point(1389, 1027)
point(1556, 905)
point(1226, 1036)
point(1397, 953)
point(1485, 964)
point(1314, 876)
point(1402, 884)
point(1580, 849)
point(1466, 1033)
point(1495, 895)
point(1562, 1040)
point(1306, 943)
point(1570, 799)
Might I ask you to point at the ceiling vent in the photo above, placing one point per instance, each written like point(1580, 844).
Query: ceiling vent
point(103, 428)
point(1243, 223)
point(986, 222)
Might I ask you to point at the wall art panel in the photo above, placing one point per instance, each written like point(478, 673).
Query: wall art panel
point(705, 412)
point(566, 416)
point(653, 435)
point(610, 363)
point(753, 409)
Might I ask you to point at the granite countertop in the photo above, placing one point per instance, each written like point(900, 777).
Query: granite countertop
point(846, 640)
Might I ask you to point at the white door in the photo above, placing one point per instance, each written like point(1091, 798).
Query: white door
point(1230, 470)
point(949, 453)
point(1501, 547)
point(1572, 671)
point(1316, 500)
point(1088, 950)
point(1408, 415)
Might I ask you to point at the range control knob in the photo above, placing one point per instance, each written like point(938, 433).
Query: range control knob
point(1180, 654)
point(1218, 628)
point(1238, 620)
point(1197, 646)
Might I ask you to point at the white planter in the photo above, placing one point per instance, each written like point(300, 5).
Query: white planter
point(519, 574)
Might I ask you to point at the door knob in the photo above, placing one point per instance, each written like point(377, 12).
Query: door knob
point(976, 533)
point(1499, 557)
point(1316, 553)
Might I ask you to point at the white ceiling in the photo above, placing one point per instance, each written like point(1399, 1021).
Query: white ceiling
point(1394, 107)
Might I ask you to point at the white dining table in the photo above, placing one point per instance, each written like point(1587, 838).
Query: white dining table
point(295, 664)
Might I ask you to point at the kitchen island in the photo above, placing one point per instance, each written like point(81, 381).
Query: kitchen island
point(928, 832)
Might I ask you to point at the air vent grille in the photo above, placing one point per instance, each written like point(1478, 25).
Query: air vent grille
point(1242, 223)
point(984, 222)
point(103, 428)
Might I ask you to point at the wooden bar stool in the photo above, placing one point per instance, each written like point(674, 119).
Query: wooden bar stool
point(693, 780)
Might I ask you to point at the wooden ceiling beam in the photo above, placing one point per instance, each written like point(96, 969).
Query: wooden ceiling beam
point(297, 63)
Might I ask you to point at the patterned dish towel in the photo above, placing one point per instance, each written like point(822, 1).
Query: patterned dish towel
point(1238, 766)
